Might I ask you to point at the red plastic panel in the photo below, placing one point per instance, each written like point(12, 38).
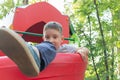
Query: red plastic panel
point(36, 14)
point(64, 67)
point(1, 53)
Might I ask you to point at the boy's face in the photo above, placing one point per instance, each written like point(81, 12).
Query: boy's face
point(53, 36)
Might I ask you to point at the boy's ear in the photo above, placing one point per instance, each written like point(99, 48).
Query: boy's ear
point(62, 38)
point(43, 38)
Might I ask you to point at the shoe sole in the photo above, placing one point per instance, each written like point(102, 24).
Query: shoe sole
point(15, 48)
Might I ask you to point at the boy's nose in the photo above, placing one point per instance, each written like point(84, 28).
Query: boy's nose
point(51, 40)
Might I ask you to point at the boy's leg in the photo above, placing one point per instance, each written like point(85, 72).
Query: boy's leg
point(17, 50)
point(47, 53)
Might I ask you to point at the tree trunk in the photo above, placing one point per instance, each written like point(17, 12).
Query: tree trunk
point(103, 41)
point(98, 78)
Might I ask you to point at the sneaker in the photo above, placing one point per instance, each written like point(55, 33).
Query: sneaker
point(17, 50)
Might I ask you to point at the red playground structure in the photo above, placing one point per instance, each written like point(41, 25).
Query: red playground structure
point(31, 19)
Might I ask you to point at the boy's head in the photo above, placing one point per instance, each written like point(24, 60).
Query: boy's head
point(53, 25)
point(52, 32)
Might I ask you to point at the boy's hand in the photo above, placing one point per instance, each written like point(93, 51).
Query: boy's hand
point(83, 52)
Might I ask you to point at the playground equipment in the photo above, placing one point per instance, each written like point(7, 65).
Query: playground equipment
point(31, 19)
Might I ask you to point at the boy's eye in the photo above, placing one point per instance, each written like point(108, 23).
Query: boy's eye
point(47, 37)
point(54, 37)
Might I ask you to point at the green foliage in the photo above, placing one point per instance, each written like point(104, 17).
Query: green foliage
point(7, 6)
point(104, 48)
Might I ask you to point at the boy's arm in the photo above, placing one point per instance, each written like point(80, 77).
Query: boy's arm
point(67, 48)
point(83, 51)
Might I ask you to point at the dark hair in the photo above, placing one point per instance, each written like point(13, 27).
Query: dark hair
point(53, 25)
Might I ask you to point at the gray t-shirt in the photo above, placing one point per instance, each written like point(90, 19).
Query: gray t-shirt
point(67, 48)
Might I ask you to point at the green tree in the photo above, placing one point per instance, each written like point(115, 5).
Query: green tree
point(97, 24)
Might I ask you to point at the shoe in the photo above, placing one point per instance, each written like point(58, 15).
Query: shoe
point(17, 50)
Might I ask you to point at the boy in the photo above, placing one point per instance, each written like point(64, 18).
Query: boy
point(33, 59)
